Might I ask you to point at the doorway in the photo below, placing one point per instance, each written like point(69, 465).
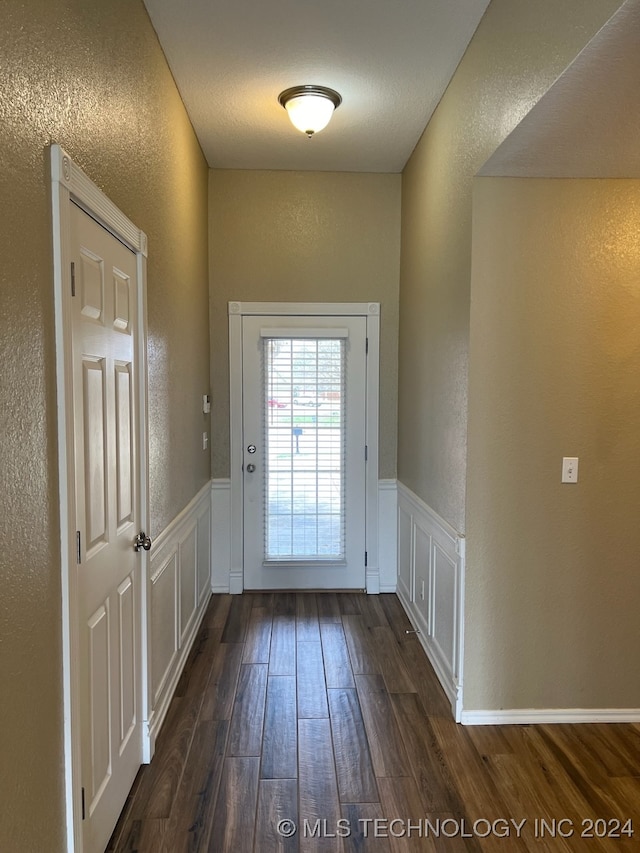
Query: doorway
point(99, 285)
point(304, 444)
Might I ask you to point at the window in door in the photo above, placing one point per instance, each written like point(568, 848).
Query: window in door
point(304, 436)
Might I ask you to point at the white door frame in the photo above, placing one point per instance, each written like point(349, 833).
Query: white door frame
point(69, 184)
point(369, 310)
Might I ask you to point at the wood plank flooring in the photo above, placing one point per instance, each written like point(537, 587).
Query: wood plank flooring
point(318, 709)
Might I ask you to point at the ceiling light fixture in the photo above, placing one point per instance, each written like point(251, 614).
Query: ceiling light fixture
point(310, 107)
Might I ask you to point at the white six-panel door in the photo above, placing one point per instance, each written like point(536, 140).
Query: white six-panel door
point(108, 569)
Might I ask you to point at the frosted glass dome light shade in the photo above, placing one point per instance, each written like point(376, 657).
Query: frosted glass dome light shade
point(310, 107)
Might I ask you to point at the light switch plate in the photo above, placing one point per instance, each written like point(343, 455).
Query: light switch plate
point(570, 469)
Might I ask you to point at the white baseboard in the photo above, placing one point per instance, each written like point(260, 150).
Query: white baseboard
point(533, 716)
point(372, 581)
point(178, 592)
point(431, 588)
point(236, 583)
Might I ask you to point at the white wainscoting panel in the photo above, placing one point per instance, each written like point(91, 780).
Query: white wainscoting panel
point(444, 581)
point(431, 588)
point(221, 536)
point(405, 552)
point(178, 592)
point(163, 622)
point(187, 570)
point(203, 555)
point(421, 571)
point(388, 535)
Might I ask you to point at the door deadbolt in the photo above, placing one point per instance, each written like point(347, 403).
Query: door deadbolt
point(251, 468)
point(251, 448)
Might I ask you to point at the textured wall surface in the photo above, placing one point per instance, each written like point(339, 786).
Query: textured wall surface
point(553, 591)
point(517, 52)
point(587, 123)
point(304, 237)
point(92, 77)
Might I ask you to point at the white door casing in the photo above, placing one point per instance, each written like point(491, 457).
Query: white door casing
point(250, 325)
point(100, 625)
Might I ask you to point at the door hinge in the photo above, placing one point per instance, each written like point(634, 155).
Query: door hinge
point(83, 812)
point(78, 548)
point(366, 453)
point(73, 278)
point(366, 346)
point(365, 559)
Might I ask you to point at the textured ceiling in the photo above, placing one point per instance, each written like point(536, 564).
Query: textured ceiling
point(391, 62)
point(588, 123)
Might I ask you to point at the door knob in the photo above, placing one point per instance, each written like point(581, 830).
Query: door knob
point(142, 541)
point(251, 467)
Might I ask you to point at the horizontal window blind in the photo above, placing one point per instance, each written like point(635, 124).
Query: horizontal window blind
point(304, 438)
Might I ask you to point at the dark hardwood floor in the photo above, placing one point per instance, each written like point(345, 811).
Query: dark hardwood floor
point(318, 711)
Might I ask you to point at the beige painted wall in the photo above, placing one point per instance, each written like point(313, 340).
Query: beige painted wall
point(518, 50)
point(92, 77)
point(304, 237)
point(553, 591)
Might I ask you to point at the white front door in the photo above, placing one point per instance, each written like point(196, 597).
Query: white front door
point(304, 446)
point(107, 517)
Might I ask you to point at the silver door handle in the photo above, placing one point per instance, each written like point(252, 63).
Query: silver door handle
point(142, 541)
point(251, 468)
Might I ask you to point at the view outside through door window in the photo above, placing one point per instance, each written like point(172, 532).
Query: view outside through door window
point(305, 444)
